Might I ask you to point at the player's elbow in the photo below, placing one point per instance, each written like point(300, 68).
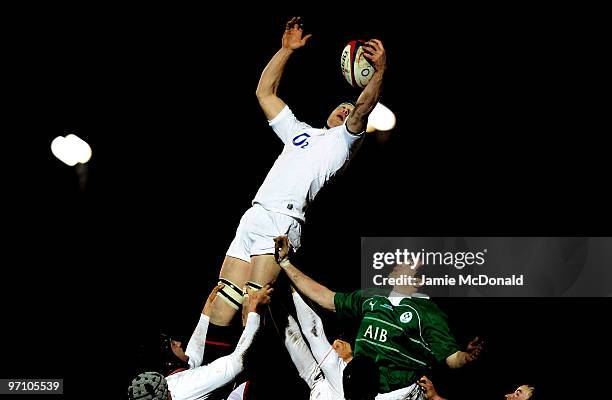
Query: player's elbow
point(264, 91)
point(328, 301)
point(329, 306)
point(265, 99)
point(455, 360)
point(259, 93)
point(355, 125)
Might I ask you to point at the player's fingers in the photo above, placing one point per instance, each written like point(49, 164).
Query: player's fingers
point(372, 58)
point(292, 23)
point(297, 23)
point(305, 39)
point(370, 52)
point(216, 289)
point(373, 44)
point(378, 43)
point(369, 48)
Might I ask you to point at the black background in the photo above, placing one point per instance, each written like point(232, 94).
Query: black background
point(496, 135)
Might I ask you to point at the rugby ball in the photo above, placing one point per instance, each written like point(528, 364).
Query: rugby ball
point(356, 69)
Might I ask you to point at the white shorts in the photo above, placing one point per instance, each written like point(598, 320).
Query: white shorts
point(256, 232)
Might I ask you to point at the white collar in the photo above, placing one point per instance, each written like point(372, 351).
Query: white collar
point(395, 298)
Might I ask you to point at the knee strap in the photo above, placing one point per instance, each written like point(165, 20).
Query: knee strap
point(231, 293)
point(254, 286)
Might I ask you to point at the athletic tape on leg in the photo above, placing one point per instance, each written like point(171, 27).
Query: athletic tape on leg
point(254, 286)
point(231, 293)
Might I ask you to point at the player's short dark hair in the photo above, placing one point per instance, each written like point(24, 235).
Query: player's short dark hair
point(347, 102)
point(360, 379)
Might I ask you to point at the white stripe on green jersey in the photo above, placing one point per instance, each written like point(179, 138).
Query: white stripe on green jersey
point(405, 336)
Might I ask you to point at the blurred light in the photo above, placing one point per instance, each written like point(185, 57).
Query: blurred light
point(71, 150)
point(381, 119)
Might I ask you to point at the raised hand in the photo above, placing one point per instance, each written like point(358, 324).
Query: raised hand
point(211, 300)
point(258, 297)
point(281, 248)
point(474, 348)
point(375, 53)
point(292, 38)
point(175, 345)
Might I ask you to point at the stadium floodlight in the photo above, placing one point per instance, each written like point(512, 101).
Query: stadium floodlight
point(381, 119)
point(71, 149)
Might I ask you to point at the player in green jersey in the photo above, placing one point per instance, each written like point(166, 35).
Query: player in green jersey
point(403, 331)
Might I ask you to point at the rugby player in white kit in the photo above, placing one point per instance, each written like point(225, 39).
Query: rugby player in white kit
point(310, 157)
point(321, 364)
point(197, 380)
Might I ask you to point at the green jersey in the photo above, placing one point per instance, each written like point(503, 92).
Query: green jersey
point(404, 335)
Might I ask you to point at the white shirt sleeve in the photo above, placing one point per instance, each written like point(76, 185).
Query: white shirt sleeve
point(352, 140)
point(286, 125)
point(248, 333)
point(398, 394)
point(195, 347)
point(238, 393)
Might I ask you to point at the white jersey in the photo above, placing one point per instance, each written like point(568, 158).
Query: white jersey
point(318, 364)
point(198, 382)
point(309, 159)
point(238, 393)
point(195, 347)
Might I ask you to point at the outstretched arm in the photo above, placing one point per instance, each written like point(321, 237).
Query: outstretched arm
point(375, 53)
point(292, 40)
point(195, 348)
point(310, 288)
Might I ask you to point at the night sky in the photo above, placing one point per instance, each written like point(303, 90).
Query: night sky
point(492, 138)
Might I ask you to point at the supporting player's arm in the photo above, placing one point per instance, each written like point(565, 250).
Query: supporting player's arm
point(254, 300)
point(309, 287)
point(461, 358)
point(194, 353)
point(270, 78)
point(375, 53)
